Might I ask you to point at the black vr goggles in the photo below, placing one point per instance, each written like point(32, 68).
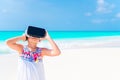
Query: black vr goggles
point(35, 32)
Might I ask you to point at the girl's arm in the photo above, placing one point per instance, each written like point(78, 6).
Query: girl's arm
point(55, 51)
point(12, 43)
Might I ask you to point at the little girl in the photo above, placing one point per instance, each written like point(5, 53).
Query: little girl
point(30, 65)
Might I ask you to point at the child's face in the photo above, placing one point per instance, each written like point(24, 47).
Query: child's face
point(33, 39)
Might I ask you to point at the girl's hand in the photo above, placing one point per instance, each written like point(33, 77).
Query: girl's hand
point(47, 36)
point(23, 37)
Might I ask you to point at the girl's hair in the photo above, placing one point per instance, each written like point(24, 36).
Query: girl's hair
point(26, 38)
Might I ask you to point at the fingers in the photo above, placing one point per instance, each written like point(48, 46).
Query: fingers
point(23, 37)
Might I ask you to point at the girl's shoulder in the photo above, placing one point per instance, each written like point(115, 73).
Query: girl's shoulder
point(45, 51)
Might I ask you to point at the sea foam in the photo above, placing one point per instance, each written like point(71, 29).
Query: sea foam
point(73, 43)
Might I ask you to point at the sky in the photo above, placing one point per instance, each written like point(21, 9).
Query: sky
point(60, 15)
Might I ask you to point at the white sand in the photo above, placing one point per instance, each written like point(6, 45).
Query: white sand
point(74, 64)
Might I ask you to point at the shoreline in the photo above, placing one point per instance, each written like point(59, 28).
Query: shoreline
point(98, 42)
point(75, 43)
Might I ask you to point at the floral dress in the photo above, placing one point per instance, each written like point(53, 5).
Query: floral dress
point(30, 65)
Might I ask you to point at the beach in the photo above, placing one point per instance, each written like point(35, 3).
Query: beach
point(98, 62)
point(85, 64)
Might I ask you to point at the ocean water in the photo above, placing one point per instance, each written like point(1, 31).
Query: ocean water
point(67, 39)
point(62, 34)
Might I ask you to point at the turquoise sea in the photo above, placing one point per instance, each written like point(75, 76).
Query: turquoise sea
point(63, 34)
point(66, 39)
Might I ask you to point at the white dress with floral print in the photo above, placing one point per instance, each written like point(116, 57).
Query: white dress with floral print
point(30, 65)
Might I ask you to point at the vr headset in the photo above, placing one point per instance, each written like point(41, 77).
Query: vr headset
point(36, 32)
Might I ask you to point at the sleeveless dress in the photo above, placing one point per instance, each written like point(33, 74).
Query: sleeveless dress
point(30, 65)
